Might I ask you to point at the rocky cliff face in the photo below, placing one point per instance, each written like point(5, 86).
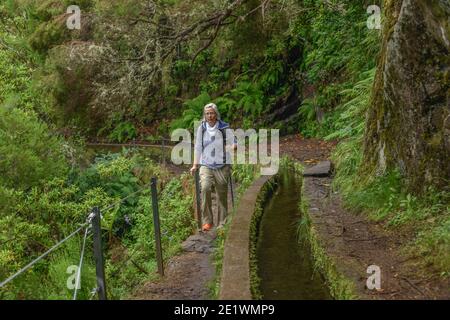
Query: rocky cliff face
point(408, 123)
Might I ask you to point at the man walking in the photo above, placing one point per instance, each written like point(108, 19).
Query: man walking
point(211, 156)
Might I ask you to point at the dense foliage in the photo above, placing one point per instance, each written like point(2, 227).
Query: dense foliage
point(302, 66)
point(52, 210)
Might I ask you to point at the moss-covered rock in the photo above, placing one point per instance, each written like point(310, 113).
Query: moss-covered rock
point(409, 121)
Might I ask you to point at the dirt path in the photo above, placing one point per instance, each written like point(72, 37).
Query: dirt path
point(187, 278)
point(353, 241)
point(187, 275)
point(307, 151)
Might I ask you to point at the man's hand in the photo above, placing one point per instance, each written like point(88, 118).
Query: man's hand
point(193, 169)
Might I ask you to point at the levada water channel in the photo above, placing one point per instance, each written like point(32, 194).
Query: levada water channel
point(284, 266)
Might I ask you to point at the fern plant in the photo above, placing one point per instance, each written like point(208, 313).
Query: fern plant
point(272, 76)
point(307, 109)
point(123, 132)
point(351, 119)
point(193, 112)
point(249, 98)
point(246, 98)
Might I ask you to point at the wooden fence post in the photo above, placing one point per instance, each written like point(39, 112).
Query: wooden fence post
point(157, 227)
point(98, 254)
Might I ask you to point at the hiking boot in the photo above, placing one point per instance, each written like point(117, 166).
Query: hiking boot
point(206, 227)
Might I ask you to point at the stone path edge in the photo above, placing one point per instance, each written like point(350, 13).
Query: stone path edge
point(235, 279)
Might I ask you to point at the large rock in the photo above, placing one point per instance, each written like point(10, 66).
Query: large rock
point(409, 120)
point(322, 169)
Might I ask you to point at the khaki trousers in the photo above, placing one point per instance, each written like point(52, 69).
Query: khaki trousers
point(218, 178)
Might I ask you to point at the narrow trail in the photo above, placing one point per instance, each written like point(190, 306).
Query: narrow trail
point(354, 242)
point(351, 240)
point(186, 278)
point(189, 273)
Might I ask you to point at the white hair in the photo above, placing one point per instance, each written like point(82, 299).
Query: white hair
point(211, 106)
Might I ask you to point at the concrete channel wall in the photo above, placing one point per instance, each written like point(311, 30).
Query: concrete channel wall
point(235, 281)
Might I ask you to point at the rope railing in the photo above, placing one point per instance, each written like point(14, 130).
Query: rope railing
point(42, 256)
point(145, 187)
point(80, 265)
point(160, 142)
point(164, 142)
point(90, 224)
point(93, 223)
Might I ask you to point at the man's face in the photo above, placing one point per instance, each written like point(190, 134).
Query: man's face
point(210, 115)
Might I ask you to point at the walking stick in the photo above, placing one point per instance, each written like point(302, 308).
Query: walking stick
point(197, 199)
point(231, 189)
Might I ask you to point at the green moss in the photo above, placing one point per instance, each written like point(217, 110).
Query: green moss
point(264, 194)
point(340, 287)
point(436, 140)
point(244, 175)
point(219, 246)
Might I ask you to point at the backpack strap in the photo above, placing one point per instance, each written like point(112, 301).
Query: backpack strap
point(224, 141)
point(203, 134)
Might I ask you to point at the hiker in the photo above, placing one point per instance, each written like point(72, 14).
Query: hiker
point(211, 156)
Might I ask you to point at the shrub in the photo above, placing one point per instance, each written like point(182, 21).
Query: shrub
point(123, 132)
point(29, 152)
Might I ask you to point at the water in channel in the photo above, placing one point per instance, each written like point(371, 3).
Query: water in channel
point(285, 267)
